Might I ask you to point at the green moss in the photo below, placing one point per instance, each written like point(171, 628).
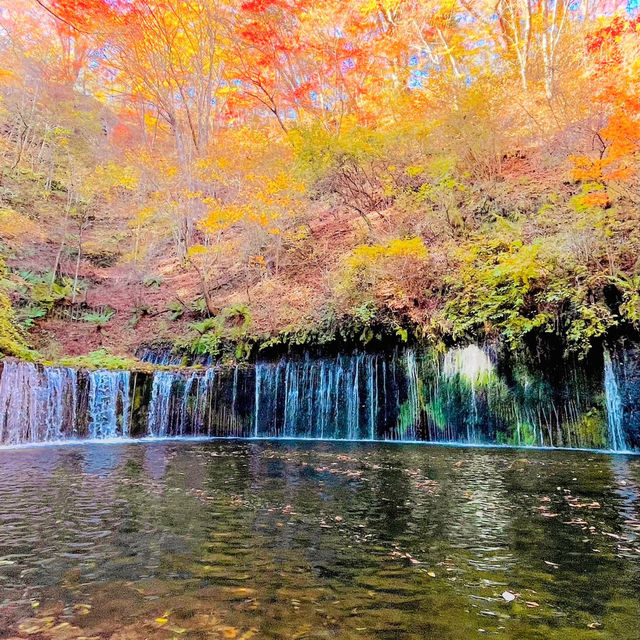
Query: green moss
point(13, 341)
point(103, 359)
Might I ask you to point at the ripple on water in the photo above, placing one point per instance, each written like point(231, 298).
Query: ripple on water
point(316, 540)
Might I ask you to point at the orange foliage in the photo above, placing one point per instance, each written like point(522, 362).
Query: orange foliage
point(615, 47)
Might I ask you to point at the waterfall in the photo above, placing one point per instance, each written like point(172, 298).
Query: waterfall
point(470, 366)
point(166, 357)
point(58, 395)
point(471, 363)
point(184, 408)
point(372, 390)
point(613, 399)
point(460, 396)
point(160, 403)
point(317, 397)
point(413, 396)
point(203, 400)
point(160, 357)
point(184, 403)
point(109, 403)
point(37, 404)
point(256, 410)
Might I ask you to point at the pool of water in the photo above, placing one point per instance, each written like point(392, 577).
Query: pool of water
point(238, 539)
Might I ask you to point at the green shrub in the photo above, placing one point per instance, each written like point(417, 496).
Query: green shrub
point(176, 309)
point(99, 317)
point(153, 281)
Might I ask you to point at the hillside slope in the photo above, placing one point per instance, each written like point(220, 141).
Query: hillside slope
point(234, 195)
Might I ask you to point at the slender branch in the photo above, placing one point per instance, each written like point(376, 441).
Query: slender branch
point(60, 18)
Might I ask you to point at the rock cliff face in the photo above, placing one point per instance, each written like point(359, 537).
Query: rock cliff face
point(626, 370)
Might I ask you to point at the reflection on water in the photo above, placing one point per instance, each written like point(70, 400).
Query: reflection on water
point(317, 540)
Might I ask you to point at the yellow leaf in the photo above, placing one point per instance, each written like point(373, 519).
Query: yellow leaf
point(196, 250)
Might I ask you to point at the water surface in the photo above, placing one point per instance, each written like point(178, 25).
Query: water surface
point(242, 539)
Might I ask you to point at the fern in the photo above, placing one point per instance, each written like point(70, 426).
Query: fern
point(99, 318)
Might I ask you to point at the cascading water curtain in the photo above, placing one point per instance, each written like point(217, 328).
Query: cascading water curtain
point(613, 399)
point(457, 397)
point(313, 398)
point(37, 404)
point(160, 403)
point(109, 404)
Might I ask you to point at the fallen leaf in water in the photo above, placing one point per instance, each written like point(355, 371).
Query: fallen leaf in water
point(36, 625)
point(242, 591)
point(178, 630)
point(612, 535)
point(81, 609)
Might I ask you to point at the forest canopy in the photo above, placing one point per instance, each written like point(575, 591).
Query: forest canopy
point(229, 176)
